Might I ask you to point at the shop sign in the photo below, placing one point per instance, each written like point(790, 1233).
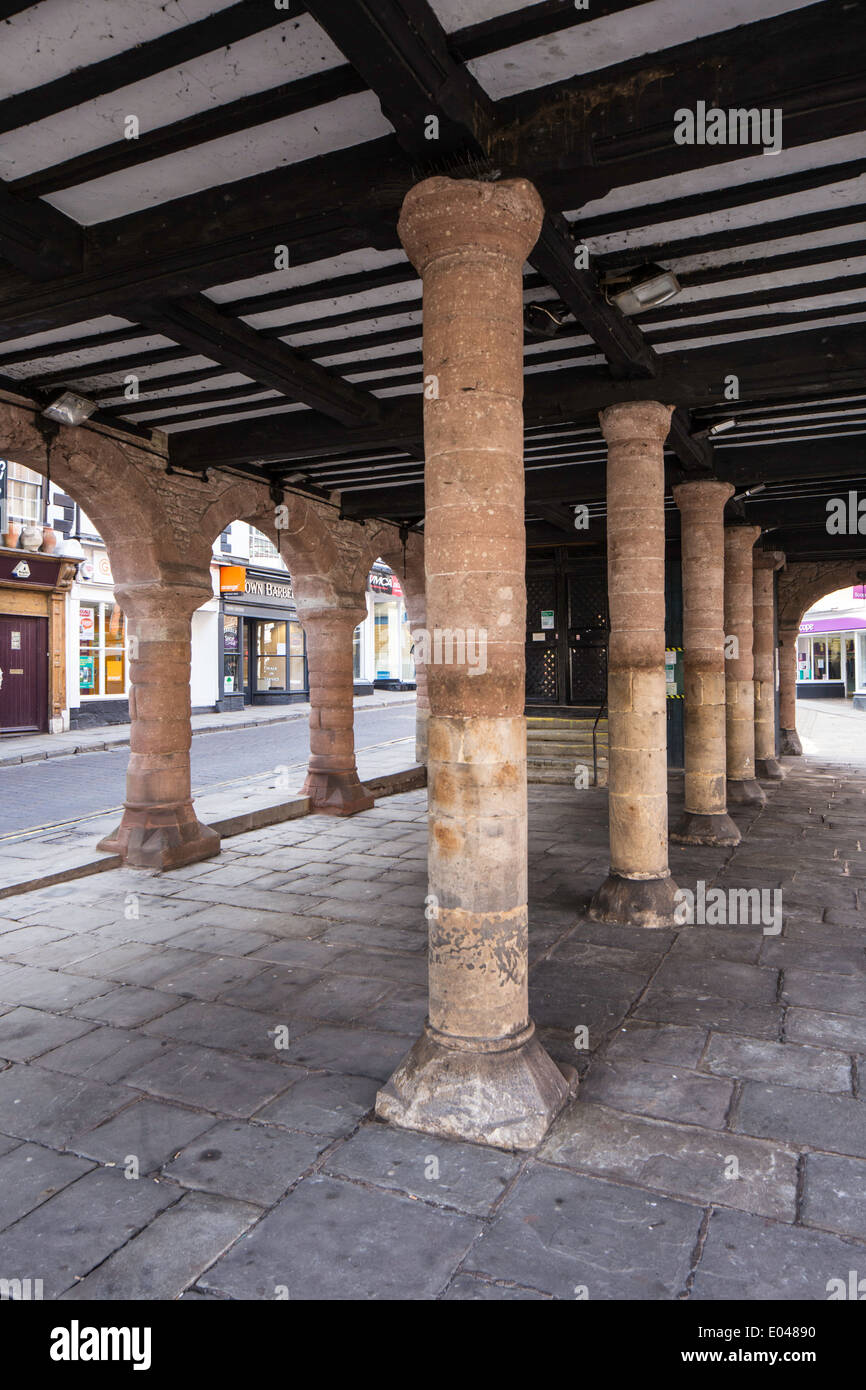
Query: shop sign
point(380, 583)
point(232, 579)
point(37, 570)
point(265, 588)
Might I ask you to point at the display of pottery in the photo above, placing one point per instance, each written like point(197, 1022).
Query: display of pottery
point(31, 537)
point(13, 531)
point(49, 539)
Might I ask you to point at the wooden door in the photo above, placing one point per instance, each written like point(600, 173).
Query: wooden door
point(24, 664)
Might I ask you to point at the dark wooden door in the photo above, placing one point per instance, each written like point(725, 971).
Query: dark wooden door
point(24, 663)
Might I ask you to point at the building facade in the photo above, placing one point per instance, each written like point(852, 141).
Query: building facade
point(831, 647)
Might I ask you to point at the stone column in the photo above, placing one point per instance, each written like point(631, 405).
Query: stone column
point(706, 820)
point(332, 777)
point(740, 666)
point(416, 607)
point(639, 890)
point(789, 739)
point(478, 1071)
point(159, 828)
point(765, 564)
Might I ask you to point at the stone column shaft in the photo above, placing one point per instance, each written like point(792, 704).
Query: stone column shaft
point(639, 889)
point(332, 782)
point(478, 1072)
point(740, 667)
point(789, 739)
point(706, 820)
point(159, 828)
point(416, 607)
point(766, 562)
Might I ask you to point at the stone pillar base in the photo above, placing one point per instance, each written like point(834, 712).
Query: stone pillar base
point(506, 1095)
point(635, 902)
point(698, 828)
point(337, 793)
point(161, 837)
point(746, 791)
point(789, 744)
point(769, 769)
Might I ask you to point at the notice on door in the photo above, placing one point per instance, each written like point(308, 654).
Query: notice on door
point(547, 619)
point(15, 643)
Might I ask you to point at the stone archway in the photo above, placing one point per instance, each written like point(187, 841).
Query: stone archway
point(800, 585)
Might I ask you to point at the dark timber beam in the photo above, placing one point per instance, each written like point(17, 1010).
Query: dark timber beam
point(202, 328)
point(37, 239)
point(177, 46)
point(824, 362)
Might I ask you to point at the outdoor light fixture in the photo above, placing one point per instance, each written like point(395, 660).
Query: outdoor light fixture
point(70, 408)
point(713, 430)
point(641, 289)
point(543, 320)
point(750, 492)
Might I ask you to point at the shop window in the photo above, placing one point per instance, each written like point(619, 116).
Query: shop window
point(834, 658)
point(819, 659)
point(271, 662)
point(101, 650)
point(231, 654)
point(296, 657)
point(356, 654)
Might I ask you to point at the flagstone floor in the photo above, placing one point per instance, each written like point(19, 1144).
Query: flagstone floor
point(220, 1032)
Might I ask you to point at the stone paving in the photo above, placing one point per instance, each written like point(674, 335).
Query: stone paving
point(221, 1031)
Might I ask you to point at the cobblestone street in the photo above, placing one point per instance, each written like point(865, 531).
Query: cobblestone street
point(716, 1148)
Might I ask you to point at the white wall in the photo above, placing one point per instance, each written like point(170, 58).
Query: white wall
point(204, 676)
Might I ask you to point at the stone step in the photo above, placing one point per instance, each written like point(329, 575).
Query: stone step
point(565, 751)
point(561, 774)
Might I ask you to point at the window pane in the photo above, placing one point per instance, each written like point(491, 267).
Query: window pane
point(271, 673)
point(834, 658)
point(230, 633)
point(297, 672)
point(819, 660)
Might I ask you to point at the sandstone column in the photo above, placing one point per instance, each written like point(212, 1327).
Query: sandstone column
point(416, 607)
point(740, 668)
point(789, 739)
point(332, 778)
point(706, 820)
point(159, 829)
point(639, 890)
point(765, 563)
point(478, 1072)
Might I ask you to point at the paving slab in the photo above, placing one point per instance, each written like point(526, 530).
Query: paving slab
point(834, 1194)
point(562, 1233)
point(651, 1088)
point(30, 1175)
point(243, 1159)
point(48, 1107)
point(63, 1239)
point(27, 1033)
point(334, 1240)
point(754, 1259)
point(216, 1081)
point(832, 1123)
point(466, 1176)
point(323, 1103)
point(786, 1064)
point(681, 1161)
point(148, 1131)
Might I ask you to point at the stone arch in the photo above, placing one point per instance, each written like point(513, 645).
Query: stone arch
point(800, 584)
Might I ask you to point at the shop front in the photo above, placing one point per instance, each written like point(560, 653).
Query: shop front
point(831, 657)
point(33, 598)
point(262, 653)
point(387, 654)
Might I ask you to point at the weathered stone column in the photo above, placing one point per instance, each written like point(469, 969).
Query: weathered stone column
point(479, 1071)
point(639, 890)
point(789, 739)
point(706, 820)
point(332, 778)
point(416, 607)
point(740, 669)
point(159, 828)
point(765, 564)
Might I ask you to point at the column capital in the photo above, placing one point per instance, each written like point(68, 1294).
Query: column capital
point(702, 494)
point(768, 559)
point(442, 217)
point(635, 420)
point(163, 598)
point(740, 536)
